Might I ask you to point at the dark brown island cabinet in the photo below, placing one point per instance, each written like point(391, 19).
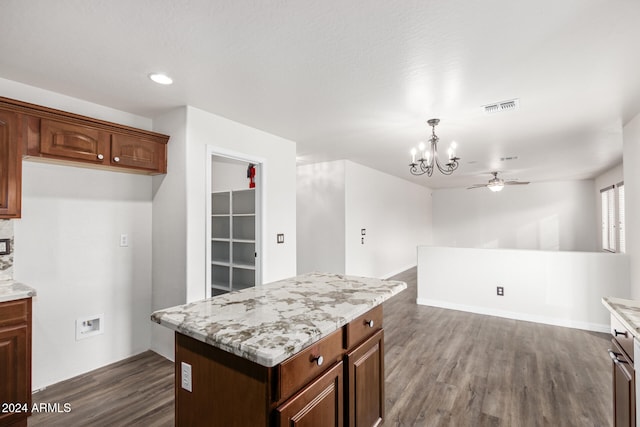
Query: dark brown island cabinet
point(337, 381)
point(15, 362)
point(623, 374)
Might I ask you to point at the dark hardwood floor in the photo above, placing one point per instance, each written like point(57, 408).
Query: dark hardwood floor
point(443, 368)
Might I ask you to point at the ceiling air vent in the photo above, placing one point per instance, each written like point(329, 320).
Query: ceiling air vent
point(500, 107)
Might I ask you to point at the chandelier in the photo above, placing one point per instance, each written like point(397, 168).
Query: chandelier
point(429, 155)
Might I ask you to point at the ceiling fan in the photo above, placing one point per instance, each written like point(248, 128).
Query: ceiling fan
point(497, 184)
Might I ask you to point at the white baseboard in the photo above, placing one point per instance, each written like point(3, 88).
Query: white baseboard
point(567, 323)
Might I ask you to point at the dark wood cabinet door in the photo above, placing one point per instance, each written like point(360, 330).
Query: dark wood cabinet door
point(138, 153)
point(14, 363)
point(10, 165)
point(70, 141)
point(624, 393)
point(318, 404)
point(365, 382)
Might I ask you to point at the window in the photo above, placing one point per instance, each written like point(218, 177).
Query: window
point(613, 227)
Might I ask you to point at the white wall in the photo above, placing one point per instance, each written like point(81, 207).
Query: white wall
point(557, 215)
point(631, 154)
point(170, 228)
point(336, 200)
point(610, 177)
point(67, 248)
point(558, 288)
point(396, 215)
point(320, 202)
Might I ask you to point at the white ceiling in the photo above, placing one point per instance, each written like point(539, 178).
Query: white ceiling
point(357, 79)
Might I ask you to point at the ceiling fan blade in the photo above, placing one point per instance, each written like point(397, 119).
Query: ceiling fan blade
point(516, 182)
point(476, 186)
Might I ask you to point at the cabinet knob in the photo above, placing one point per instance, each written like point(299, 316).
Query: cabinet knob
point(116, 159)
point(369, 323)
point(100, 157)
point(318, 359)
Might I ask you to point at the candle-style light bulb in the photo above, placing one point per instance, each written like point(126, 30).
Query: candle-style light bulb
point(413, 155)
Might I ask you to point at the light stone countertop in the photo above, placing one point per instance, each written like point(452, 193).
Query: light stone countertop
point(269, 323)
point(10, 291)
point(627, 311)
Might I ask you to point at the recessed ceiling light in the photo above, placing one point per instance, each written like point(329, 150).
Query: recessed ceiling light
point(160, 78)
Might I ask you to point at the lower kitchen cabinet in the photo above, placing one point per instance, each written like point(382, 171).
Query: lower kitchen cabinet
point(15, 362)
point(336, 381)
point(623, 375)
point(365, 382)
point(318, 404)
point(624, 388)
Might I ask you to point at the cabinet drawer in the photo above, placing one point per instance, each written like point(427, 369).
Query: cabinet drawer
point(298, 370)
point(14, 312)
point(363, 327)
point(622, 336)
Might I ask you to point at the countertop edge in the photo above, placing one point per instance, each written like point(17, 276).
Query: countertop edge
point(13, 291)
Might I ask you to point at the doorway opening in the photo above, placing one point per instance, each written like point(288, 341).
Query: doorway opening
point(234, 201)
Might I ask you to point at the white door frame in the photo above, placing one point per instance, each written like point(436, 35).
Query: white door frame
point(260, 180)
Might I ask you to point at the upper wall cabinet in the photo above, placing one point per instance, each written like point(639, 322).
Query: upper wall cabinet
point(42, 133)
point(10, 164)
point(58, 136)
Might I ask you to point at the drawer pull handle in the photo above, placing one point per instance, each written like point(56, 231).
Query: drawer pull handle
point(116, 159)
point(100, 156)
point(318, 359)
point(614, 357)
point(369, 323)
point(623, 333)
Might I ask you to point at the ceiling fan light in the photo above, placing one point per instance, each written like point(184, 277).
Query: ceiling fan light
point(495, 187)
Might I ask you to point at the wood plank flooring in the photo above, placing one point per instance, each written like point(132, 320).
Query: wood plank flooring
point(443, 368)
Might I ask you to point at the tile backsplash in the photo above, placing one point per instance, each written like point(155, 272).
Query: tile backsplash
point(6, 261)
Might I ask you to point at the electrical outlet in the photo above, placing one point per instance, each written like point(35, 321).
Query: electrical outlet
point(185, 370)
point(124, 240)
point(280, 238)
point(500, 291)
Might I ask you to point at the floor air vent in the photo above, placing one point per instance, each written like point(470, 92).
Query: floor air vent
point(503, 106)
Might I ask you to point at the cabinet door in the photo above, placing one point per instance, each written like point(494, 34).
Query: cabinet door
point(318, 404)
point(624, 400)
point(69, 141)
point(138, 153)
point(10, 165)
point(365, 382)
point(13, 370)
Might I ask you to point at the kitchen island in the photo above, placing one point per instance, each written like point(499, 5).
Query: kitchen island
point(301, 351)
